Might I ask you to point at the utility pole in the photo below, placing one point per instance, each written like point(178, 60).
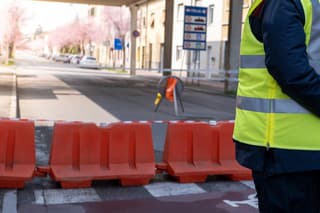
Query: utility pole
point(168, 31)
point(234, 38)
point(133, 43)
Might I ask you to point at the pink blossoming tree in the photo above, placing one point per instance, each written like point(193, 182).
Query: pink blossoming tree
point(79, 33)
point(13, 16)
point(118, 18)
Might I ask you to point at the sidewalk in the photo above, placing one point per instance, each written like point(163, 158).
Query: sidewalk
point(8, 100)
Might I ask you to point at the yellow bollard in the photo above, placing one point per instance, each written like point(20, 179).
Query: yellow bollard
point(158, 99)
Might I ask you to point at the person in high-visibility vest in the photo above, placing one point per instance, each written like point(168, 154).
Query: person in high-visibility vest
point(277, 125)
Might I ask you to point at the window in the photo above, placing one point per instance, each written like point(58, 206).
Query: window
point(152, 21)
point(198, 2)
point(180, 13)
point(211, 14)
point(144, 20)
point(179, 53)
point(138, 54)
point(163, 18)
point(92, 11)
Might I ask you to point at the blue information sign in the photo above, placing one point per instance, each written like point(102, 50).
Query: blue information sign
point(117, 44)
point(195, 28)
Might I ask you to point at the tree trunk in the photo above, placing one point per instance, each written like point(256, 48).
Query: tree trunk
point(10, 50)
point(82, 48)
point(90, 48)
point(79, 50)
point(6, 57)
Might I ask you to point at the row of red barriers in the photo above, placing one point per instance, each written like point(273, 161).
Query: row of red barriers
point(83, 152)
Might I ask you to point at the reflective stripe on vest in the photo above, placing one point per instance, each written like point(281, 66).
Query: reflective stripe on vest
point(252, 61)
point(270, 105)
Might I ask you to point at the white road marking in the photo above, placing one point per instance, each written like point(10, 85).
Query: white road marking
point(39, 198)
point(252, 201)
point(9, 204)
point(61, 196)
point(249, 183)
point(172, 189)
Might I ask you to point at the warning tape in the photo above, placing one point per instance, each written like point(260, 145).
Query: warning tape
point(46, 121)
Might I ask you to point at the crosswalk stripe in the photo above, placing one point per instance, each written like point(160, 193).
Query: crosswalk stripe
point(9, 204)
point(61, 196)
point(250, 184)
point(173, 189)
point(39, 197)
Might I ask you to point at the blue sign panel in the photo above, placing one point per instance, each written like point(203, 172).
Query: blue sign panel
point(195, 28)
point(117, 44)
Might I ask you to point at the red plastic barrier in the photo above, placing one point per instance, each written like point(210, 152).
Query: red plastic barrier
point(227, 152)
point(195, 150)
point(73, 153)
point(82, 153)
point(131, 155)
point(17, 153)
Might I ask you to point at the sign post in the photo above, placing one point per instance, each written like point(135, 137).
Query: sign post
point(195, 32)
point(195, 28)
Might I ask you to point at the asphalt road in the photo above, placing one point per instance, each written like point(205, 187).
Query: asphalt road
point(55, 91)
point(58, 91)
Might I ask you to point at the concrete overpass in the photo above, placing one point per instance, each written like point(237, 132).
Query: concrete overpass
point(235, 22)
point(98, 2)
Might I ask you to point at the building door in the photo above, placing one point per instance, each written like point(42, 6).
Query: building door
point(161, 57)
point(143, 57)
point(210, 62)
point(150, 56)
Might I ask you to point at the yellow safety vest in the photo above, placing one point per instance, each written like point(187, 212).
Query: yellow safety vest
point(265, 116)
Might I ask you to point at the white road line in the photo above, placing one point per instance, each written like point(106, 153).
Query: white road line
point(249, 183)
point(39, 198)
point(9, 204)
point(251, 201)
point(172, 189)
point(61, 196)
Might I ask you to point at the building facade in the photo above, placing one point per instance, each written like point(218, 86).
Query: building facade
point(103, 49)
point(211, 62)
point(150, 39)
point(150, 24)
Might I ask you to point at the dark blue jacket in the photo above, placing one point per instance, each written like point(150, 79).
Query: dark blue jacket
point(279, 25)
